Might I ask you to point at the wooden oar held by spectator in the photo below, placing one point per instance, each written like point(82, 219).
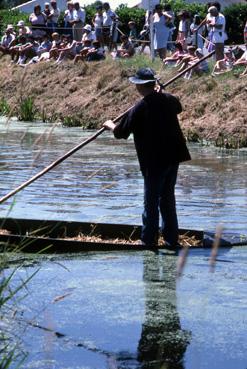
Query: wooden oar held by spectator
point(90, 139)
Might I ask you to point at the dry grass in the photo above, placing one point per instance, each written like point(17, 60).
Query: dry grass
point(214, 108)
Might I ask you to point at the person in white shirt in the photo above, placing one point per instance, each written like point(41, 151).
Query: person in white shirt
point(217, 25)
point(110, 22)
point(69, 18)
point(79, 16)
point(98, 24)
point(52, 18)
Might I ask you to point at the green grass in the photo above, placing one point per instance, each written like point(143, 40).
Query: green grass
point(27, 110)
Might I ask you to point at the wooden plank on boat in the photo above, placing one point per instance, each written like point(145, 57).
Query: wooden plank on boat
point(60, 236)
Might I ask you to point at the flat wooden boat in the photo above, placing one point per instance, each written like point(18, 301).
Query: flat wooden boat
point(50, 236)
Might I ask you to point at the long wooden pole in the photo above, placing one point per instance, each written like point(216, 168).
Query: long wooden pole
point(87, 141)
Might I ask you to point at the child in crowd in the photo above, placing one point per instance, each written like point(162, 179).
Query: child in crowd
point(126, 49)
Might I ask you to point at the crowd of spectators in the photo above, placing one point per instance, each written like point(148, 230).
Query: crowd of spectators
point(42, 39)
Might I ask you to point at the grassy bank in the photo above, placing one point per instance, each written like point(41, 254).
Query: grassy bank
point(88, 94)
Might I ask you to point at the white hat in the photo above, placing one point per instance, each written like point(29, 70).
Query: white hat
point(9, 27)
point(21, 23)
point(87, 27)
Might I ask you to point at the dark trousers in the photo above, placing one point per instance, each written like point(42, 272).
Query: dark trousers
point(159, 195)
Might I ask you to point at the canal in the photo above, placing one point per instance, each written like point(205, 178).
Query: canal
point(125, 310)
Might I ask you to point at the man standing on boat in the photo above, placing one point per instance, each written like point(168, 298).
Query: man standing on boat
point(160, 147)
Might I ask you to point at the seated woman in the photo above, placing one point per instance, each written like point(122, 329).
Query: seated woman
point(96, 52)
point(126, 49)
point(68, 51)
point(224, 65)
point(176, 56)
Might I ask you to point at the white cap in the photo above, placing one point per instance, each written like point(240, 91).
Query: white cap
point(21, 23)
point(87, 27)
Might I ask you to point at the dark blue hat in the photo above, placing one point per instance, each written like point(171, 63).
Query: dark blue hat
point(143, 75)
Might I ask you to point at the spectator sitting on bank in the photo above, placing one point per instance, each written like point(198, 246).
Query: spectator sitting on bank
point(86, 46)
point(132, 31)
point(69, 51)
point(7, 41)
point(15, 50)
point(23, 30)
point(27, 50)
point(242, 60)
point(176, 56)
point(56, 44)
point(88, 34)
point(95, 53)
point(199, 69)
point(38, 22)
point(188, 57)
point(126, 49)
point(226, 64)
point(45, 45)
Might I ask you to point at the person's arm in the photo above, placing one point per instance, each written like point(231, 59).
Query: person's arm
point(128, 123)
point(203, 22)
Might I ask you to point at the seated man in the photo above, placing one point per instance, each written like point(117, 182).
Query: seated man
point(86, 46)
point(96, 52)
point(7, 41)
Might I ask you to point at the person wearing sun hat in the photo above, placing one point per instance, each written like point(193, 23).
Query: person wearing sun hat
point(7, 40)
point(160, 147)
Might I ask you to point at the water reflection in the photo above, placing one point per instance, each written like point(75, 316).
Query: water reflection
point(163, 342)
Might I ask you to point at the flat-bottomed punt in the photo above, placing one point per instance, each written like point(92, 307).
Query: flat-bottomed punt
point(51, 236)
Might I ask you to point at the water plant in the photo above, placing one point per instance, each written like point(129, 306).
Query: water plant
point(4, 107)
point(10, 354)
point(27, 110)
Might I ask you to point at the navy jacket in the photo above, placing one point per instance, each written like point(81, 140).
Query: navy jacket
point(158, 138)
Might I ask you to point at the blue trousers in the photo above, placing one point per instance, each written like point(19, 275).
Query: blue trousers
point(159, 196)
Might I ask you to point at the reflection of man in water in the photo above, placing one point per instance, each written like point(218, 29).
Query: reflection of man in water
point(163, 342)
